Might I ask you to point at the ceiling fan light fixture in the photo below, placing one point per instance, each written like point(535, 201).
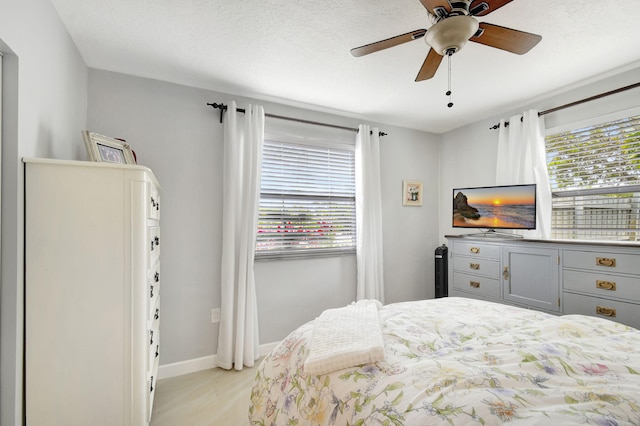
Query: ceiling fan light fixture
point(451, 34)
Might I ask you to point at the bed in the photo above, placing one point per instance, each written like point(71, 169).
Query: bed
point(458, 361)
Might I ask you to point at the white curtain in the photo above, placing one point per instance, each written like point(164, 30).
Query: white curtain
point(522, 160)
point(370, 279)
point(238, 343)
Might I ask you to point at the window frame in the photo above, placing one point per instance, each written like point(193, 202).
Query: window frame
point(296, 253)
point(581, 197)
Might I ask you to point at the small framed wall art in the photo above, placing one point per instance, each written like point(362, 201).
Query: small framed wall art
point(411, 193)
point(104, 148)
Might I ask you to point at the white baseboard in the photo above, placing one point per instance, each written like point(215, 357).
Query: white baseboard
point(198, 364)
point(186, 367)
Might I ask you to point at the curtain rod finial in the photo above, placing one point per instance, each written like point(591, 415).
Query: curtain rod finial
point(222, 108)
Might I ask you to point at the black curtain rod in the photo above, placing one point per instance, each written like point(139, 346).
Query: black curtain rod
point(223, 108)
point(581, 101)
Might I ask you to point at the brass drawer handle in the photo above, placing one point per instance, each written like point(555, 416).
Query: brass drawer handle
point(474, 284)
point(606, 285)
point(474, 250)
point(607, 312)
point(505, 273)
point(606, 261)
point(474, 266)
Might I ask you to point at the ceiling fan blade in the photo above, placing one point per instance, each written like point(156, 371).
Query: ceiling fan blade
point(430, 66)
point(513, 41)
point(437, 7)
point(385, 44)
point(485, 7)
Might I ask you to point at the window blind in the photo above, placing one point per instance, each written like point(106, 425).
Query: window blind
point(595, 181)
point(307, 201)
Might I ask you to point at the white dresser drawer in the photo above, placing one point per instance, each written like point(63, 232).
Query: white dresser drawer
point(153, 349)
point(602, 285)
point(614, 263)
point(622, 312)
point(471, 265)
point(153, 208)
point(153, 287)
point(154, 245)
point(151, 387)
point(477, 250)
point(480, 286)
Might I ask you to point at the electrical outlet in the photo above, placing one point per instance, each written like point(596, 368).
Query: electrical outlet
point(215, 315)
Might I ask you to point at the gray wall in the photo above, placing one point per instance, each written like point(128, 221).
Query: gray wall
point(44, 108)
point(468, 154)
point(180, 138)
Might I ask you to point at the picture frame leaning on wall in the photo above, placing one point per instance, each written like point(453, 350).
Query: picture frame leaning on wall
point(107, 149)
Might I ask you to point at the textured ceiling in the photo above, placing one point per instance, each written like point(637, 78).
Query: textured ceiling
point(297, 52)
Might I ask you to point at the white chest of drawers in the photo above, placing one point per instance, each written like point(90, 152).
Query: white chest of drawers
point(557, 276)
point(92, 286)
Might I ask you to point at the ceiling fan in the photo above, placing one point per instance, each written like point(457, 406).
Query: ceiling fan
point(454, 24)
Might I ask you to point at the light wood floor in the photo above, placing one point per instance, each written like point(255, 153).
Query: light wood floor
point(212, 397)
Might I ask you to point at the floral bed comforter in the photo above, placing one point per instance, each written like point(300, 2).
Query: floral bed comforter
point(456, 361)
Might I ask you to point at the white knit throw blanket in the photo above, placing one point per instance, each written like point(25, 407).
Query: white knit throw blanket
point(346, 337)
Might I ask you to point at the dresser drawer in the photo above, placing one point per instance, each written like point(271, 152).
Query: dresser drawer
point(622, 312)
point(477, 250)
point(153, 242)
point(151, 388)
point(602, 285)
point(614, 263)
point(153, 349)
point(153, 287)
point(481, 286)
point(471, 265)
point(153, 209)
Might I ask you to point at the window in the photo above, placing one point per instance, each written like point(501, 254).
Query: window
point(307, 200)
point(595, 181)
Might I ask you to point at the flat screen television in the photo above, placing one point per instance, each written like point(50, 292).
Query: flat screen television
point(495, 207)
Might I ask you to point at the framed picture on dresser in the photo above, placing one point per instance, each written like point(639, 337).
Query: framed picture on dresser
point(107, 149)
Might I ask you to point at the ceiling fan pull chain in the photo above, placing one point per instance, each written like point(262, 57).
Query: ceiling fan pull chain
point(449, 54)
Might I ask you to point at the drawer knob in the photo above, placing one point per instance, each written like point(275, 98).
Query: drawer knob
point(156, 277)
point(150, 337)
point(474, 284)
point(151, 292)
point(474, 250)
point(606, 261)
point(606, 285)
point(607, 312)
point(474, 266)
point(157, 314)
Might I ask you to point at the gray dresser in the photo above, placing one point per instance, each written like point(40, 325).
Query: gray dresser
point(556, 276)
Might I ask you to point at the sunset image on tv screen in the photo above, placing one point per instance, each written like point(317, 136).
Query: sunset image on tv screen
point(500, 207)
